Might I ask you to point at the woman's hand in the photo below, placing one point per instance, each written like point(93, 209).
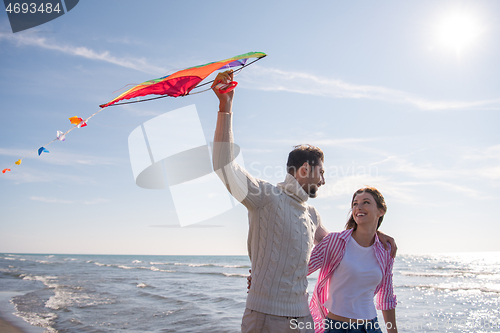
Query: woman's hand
point(390, 320)
point(249, 280)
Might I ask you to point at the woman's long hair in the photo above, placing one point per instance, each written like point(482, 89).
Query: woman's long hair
point(379, 199)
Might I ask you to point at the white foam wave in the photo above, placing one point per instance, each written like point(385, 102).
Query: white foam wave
point(44, 320)
point(445, 274)
point(235, 266)
point(46, 280)
point(484, 289)
point(136, 262)
point(190, 265)
point(142, 285)
point(237, 275)
point(208, 265)
point(125, 267)
point(156, 269)
point(64, 298)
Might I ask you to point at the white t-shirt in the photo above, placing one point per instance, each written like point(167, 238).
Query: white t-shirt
point(353, 283)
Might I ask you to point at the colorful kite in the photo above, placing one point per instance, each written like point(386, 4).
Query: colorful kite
point(180, 83)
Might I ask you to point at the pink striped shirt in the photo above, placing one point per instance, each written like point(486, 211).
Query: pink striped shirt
point(327, 255)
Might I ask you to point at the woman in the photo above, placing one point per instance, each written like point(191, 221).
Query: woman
point(353, 268)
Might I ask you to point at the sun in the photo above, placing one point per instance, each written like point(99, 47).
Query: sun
point(459, 30)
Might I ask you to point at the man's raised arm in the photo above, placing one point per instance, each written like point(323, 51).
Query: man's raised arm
point(243, 186)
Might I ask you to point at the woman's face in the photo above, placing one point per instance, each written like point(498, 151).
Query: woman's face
point(365, 210)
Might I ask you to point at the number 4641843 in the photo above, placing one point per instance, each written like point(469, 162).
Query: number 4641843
point(32, 8)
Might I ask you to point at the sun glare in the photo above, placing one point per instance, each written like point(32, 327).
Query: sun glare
point(458, 31)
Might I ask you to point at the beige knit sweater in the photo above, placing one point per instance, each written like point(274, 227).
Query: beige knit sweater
point(282, 229)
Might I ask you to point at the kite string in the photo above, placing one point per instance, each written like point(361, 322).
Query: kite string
point(87, 119)
point(45, 145)
point(113, 126)
point(57, 138)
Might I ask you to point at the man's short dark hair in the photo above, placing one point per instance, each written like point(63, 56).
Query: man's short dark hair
point(302, 154)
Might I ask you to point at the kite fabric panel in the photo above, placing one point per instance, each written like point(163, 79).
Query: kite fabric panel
point(182, 82)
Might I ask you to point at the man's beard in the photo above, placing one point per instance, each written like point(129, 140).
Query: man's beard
point(313, 191)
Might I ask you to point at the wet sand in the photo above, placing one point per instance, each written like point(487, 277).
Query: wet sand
point(6, 327)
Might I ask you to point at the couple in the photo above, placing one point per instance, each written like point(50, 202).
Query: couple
point(282, 231)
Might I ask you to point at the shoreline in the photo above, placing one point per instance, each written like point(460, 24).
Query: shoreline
point(8, 327)
point(10, 323)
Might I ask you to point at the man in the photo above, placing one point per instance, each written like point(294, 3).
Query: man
point(282, 227)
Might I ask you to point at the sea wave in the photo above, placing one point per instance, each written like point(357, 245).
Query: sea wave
point(48, 281)
point(445, 274)
point(156, 269)
point(175, 301)
point(235, 275)
point(222, 274)
point(67, 297)
point(152, 268)
point(45, 320)
point(46, 262)
point(454, 288)
point(207, 265)
point(125, 267)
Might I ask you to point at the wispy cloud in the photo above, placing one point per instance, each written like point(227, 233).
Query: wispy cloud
point(407, 178)
point(29, 39)
point(95, 201)
point(402, 165)
point(64, 201)
point(481, 166)
point(271, 79)
point(407, 192)
point(484, 154)
point(62, 158)
point(318, 140)
point(342, 142)
point(51, 200)
point(189, 226)
point(30, 175)
point(401, 191)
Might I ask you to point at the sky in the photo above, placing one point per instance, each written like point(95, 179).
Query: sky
point(400, 95)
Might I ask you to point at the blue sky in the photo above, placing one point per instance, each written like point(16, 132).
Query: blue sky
point(403, 96)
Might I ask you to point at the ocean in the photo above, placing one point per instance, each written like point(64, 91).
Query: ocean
point(138, 293)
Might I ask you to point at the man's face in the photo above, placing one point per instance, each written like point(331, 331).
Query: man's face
point(315, 178)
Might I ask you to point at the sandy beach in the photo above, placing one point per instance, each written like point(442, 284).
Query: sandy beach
point(6, 327)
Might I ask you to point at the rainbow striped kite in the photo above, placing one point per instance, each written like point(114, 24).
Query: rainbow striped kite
point(182, 82)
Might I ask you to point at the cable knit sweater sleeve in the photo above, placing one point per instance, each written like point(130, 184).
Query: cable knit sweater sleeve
point(243, 186)
point(321, 231)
